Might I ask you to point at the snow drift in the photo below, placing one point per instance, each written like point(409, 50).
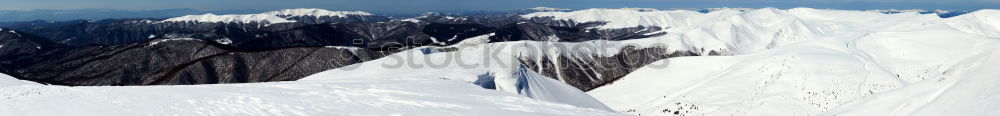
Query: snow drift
point(489, 65)
point(7, 80)
point(806, 61)
point(413, 96)
point(539, 87)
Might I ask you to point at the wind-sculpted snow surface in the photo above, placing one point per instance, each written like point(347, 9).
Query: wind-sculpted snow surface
point(967, 88)
point(536, 86)
point(817, 62)
point(7, 80)
point(768, 61)
point(410, 96)
point(504, 66)
point(982, 22)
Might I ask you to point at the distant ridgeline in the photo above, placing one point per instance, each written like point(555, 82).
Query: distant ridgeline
point(286, 45)
point(282, 45)
point(100, 14)
point(941, 13)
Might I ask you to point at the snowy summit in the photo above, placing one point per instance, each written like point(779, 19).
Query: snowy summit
point(280, 16)
point(542, 9)
point(592, 62)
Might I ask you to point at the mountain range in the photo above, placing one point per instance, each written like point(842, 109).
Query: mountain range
point(725, 61)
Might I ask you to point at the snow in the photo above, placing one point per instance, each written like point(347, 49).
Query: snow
point(482, 39)
point(172, 39)
point(7, 80)
point(548, 9)
point(411, 20)
point(968, 89)
point(245, 18)
point(727, 8)
point(430, 87)
point(539, 87)
point(620, 18)
point(805, 61)
point(317, 12)
point(469, 64)
point(983, 22)
point(740, 31)
point(413, 96)
point(897, 11)
point(279, 16)
point(641, 9)
point(225, 41)
point(799, 61)
point(805, 79)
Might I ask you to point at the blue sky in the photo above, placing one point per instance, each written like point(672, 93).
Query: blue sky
point(500, 5)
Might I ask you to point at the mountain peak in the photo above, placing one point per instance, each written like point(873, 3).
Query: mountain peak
point(279, 16)
point(641, 9)
point(543, 9)
point(243, 18)
point(316, 12)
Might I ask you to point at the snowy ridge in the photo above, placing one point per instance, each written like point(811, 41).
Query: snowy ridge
point(618, 18)
point(7, 80)
point(743, 31)
point(983, 22)
point(799, 61)
point(280, 16)
point(707, 10)
point(641, 9)
point(500, 60)
point(317, 12)
point(536, 86)
point(900, 11)
point(807, 61)
point(172, 39)
point(333, 97)
point(922, 11)
point(966, 90)
point(549, 9)
point(246, 18)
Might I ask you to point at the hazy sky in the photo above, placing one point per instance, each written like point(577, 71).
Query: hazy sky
point(424, 5)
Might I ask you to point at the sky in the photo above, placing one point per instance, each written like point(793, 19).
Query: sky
point(489, 5)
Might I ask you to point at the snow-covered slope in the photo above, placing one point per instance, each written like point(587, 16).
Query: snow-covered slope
point(280, 16)
point(494, 63)
point(316, 12)
point(413, 96)
point(543, 9)
point(805, 79)
point(7, 80)
point(799, 61)
point(982, 22)
point(618, 18)
point(969, 88)
point(243, 18)
point(815, 62)
point(737, 31)
point(536, 86)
